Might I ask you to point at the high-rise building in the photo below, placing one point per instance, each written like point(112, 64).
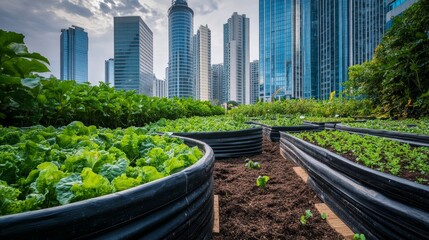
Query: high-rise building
point(109, 72)
point(159, 87)
point(217, 76)
point(180, 50)
point(395, 8)
point(275, 48)
point(74, 54)
point(366, 29)
point(333, 46)
point(133, 47)
point(202, 60)
point(237, 59)
point(254, 81)
point(307, 46)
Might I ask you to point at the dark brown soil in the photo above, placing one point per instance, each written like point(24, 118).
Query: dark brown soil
point(249, 212)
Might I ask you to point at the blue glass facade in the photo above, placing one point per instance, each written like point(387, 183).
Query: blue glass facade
point(307, 46)
point(333, 43)
point(275, 48)
point(217, 77)
point(306, 50)
point(109, 72)
point(395, 8)
point(133, 54)
point(74, 54)
point(180, 50)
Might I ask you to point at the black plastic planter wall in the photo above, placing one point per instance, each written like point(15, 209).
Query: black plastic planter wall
point(272, 133)
point(232, 143)
point(380, 205)
point(179, 206)
point(418, 140)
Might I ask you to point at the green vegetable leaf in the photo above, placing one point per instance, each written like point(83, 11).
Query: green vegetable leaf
point(111, 171)
point(63, 188)
point(261, 181)
point(123, 182)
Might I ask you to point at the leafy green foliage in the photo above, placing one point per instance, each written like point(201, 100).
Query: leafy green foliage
point(261, 181)
point(323, 216)
point(54, 102)
point(309, 107)
point(15, 60)
point(252, 165)
point(44, 167)
point(278, 120)
point(201, 124)
point(374, 152)
point(359, 236)
point(395, 80)
point(418, 126)
point(304, 218)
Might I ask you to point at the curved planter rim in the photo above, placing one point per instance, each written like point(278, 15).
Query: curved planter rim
point(204, 133)
point(75, 206)
point(359, 166)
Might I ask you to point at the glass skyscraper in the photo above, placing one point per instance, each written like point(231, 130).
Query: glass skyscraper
point(275, 48)
point(237, 59)
point(202, 60)
point(109, 72)
point(74, 54)
point(180, 50)
point(254, 81)
point(307, 46)
point(217, 75)
point(133, 54)
point(395, 8)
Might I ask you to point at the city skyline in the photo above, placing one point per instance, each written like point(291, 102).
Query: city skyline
point(41, 22)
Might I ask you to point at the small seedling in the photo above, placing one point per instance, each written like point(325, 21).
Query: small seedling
point(359, 236)
point(252, 165)
point(323, 215)
point(262, 181)
point(307, 214)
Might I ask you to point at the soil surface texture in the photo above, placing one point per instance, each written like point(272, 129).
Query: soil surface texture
point(250, 212)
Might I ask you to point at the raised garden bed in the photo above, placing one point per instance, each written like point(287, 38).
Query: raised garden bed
point(227, 136)
point(273, 126)
point(179, 205)
point(414, 132)
point(368, 200)
point(250, 212)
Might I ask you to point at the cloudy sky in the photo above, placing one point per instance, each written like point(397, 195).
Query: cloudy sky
point(41, 22)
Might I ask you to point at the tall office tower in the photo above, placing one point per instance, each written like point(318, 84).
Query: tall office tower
point(133, 47)
point(254, 81)
point(305, 39)
point(109, 72)
point(366, 28)
point(333, 46)
point(217, 76)
point(202, 60)
point(395, 8)
point(74, 54)
point(275, 48)
point(180, 51)
point(159, 87)
point(237, 59)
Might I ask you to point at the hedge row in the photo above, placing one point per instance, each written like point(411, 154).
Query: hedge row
point(53, 102)
point(309, 107)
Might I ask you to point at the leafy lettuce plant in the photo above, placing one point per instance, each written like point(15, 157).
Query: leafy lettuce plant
point(48, 167)
point(261, 181)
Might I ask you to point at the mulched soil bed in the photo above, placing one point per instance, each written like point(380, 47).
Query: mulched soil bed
point(248, 212)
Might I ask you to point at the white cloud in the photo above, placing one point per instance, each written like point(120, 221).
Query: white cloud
point(41, 22)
